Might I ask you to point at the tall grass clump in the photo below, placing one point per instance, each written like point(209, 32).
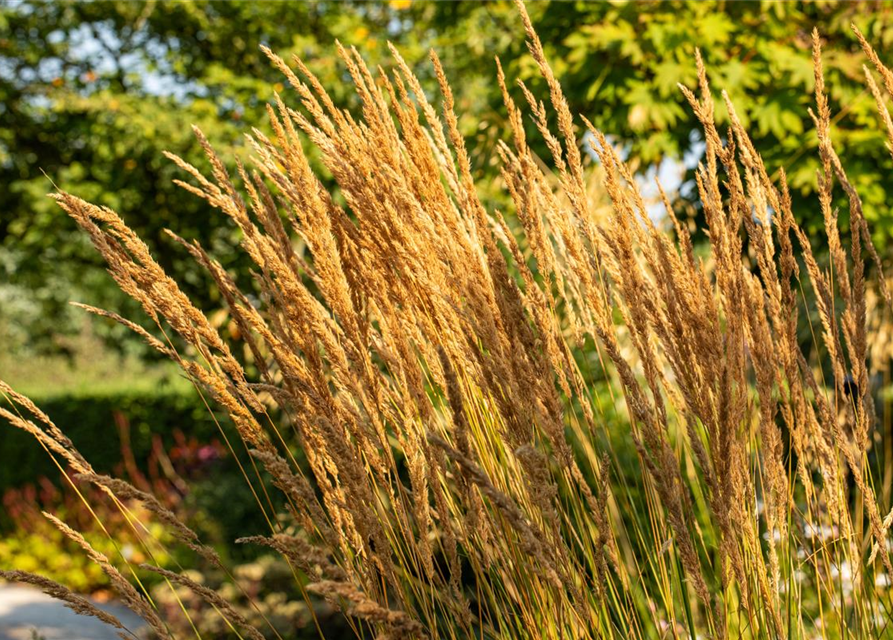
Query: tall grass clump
point(417, 381)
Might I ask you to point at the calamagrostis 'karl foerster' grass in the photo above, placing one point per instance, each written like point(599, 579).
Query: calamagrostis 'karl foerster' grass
point(427, 357)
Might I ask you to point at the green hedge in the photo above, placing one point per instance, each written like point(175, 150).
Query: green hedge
point(89, 420)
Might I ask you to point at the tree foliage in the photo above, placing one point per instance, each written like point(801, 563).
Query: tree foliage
point(91, 93)
point(620, 63)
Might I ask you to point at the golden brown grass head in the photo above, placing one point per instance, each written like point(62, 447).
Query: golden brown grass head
point(424, 356)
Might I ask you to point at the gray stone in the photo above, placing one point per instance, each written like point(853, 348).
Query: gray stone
point(27, 613)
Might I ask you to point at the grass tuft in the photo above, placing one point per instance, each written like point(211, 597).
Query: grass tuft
point(428, 356)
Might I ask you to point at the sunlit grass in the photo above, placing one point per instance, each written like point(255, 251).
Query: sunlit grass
point(464, 471)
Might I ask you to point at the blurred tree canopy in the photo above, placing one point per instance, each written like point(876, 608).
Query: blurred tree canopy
point(620, 62)
point(92, 92)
